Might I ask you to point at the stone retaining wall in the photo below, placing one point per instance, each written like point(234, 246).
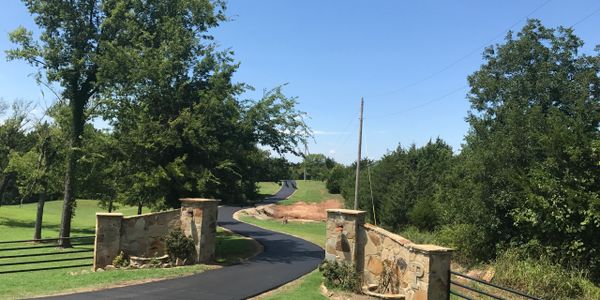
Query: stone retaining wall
point(413, 270)
point(143, 235)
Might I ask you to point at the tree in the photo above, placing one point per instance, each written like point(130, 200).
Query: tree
point(36, 170)
point(530, 151)
point(179, 125)
point(66, 52)
point(317, 166)
point(13, 139)
point(335, 178)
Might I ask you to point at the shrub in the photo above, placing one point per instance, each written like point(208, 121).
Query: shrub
point(469, 241)
point(342, 276)
point(418, 236)
point(177, 245)
point(121, 260)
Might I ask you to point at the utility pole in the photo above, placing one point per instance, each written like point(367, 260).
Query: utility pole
point(356, 185)
point(305, 153)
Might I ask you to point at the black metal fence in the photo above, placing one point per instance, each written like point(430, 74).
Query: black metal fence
point(24, 255)
point(471, 288)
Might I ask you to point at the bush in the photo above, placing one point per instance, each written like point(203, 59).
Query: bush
point(418, 236)
point(423, 215)
point(177, 245)
point(469, 241)
point(335, 178)
point(342, 276)
point(121, 260)
point(540, 277)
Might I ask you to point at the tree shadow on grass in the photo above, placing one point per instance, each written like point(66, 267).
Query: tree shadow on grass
point(31, 224)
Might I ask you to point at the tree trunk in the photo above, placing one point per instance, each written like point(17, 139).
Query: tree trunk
point(68, 201)
point(40, 214)
point(77, 124)
point(140, 208)
point(110, 206)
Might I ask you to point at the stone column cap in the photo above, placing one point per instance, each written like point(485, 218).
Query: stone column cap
point(428, 248)
point(102, 214)
point(346, 211)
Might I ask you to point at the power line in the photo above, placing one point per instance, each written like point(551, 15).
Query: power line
point(586, 17)
point(436, 99)
point(452, 64)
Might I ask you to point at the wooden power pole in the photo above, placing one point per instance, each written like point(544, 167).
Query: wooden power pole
point(305, 154)
point(356, 185)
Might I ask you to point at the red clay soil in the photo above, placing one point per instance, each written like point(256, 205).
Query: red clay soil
point(306, 211)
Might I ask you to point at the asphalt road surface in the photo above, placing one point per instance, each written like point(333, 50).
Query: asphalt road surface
point(284, 259)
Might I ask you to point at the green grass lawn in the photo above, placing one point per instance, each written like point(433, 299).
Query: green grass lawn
point(311, 231)
point(268, 188)
point(16, 223)
point(233, 248)
point(310, 191)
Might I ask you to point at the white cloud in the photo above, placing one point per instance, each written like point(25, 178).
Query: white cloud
point(323, 132)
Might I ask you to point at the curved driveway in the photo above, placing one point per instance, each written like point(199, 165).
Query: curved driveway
point(284, 259)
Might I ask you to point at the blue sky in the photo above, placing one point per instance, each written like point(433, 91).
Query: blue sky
point(408, 59)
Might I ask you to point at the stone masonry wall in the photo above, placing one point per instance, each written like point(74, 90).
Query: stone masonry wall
point(413, 270)
point(199, 220)
point(142, 235)
point(343, 231)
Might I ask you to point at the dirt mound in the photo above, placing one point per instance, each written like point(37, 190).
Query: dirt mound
point(296, 211)
point(306, 211)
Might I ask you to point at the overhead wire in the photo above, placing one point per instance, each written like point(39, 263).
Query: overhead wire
point(369, 178)
point(586, 17)
point(455, 62)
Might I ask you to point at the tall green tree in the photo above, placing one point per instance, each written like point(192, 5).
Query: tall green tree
point(13, 139)
point(37, 170)
point(534, 120)
point(66, 52)
point(175, 109)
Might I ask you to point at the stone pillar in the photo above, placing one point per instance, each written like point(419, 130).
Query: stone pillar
point(108, 238)
point(199, 221)
point(431, 268)
point(345, 236)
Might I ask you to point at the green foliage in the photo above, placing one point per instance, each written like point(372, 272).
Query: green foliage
point(342, 276)
point(317, 167)
point(405, 185)
point(471, 244)
point(177, 245)
point(531, 161)
point(121, 260)
point(335, 178)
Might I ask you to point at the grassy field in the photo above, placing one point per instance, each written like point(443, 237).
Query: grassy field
point(310, 191)
point(16, 224)
point(266, 189)
point(311, 231)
